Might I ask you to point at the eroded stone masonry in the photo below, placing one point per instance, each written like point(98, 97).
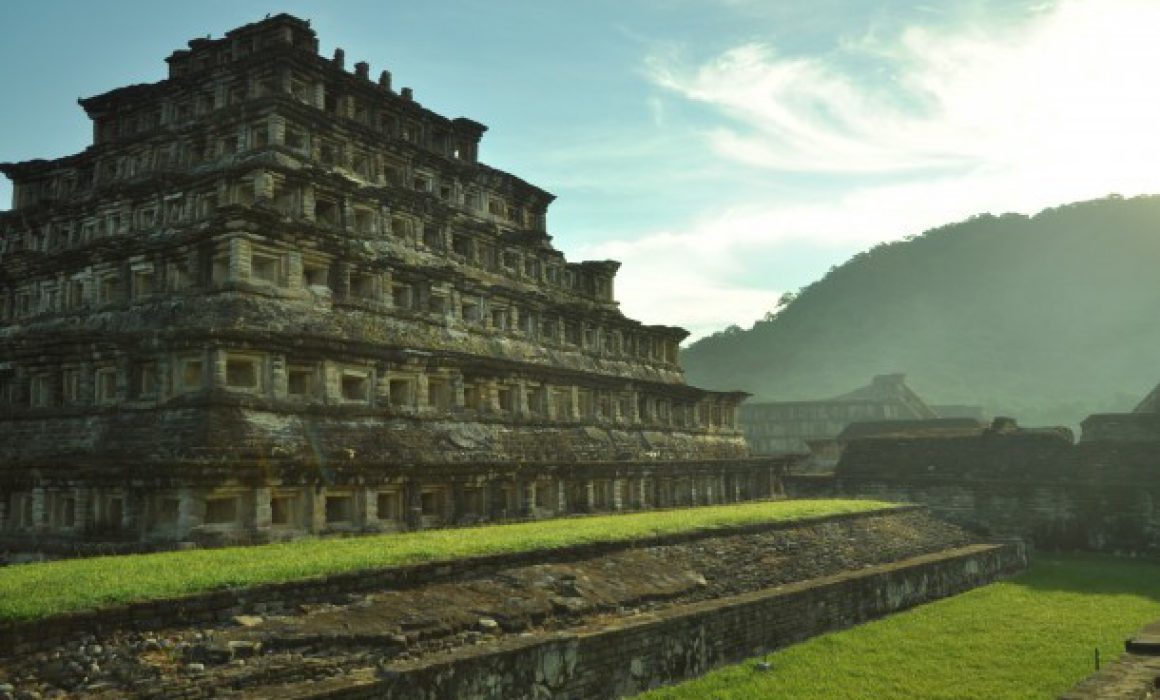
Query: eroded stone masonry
point(276, 297)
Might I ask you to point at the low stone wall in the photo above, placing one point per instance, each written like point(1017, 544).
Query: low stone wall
point(19, 637)
point(1098, 496)
point(683, 642)
point(1122, 427)
point(1113, 518)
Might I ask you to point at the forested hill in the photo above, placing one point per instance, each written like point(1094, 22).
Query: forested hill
point(1046, 318)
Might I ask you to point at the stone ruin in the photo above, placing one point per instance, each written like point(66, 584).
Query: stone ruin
point(1099, 493)
point(275, 297)
point(813, 428)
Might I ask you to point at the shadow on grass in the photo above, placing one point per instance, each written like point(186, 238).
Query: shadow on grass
point(1094, 574)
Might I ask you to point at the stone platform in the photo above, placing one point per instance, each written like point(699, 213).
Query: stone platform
point(594, 621)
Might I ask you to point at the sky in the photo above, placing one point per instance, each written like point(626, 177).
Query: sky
point(725, 151)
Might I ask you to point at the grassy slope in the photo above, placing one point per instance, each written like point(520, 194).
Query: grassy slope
point(37, 590)
point(1031, 637)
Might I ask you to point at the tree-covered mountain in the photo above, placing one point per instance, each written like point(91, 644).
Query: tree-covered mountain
point(1046, 318)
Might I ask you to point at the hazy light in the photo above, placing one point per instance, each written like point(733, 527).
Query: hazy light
point(951, 122)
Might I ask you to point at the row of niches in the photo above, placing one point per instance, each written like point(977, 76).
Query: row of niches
point(403, 390)
point(306, 509)
point(306, 203)
point(397, 504)
point(232, 142)
point(328, 210)
point(389, 120)
point(238, 264)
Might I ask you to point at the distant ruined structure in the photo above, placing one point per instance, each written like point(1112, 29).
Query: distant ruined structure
point(1142, 425)
point(275, 297)
point(813, 427)
point(1100, 493)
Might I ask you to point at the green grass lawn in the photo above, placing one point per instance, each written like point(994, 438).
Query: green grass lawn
point(1033, 636)
point(37, 590)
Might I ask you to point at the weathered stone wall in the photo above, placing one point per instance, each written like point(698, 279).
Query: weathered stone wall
point(686, 642)
point(1061, 516)
point(1095, 495)
point(54, 442)
point(1122, 427)
point(232, 432)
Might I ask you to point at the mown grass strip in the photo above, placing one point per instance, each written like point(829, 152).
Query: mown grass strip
point(1031, 637)
point(37, 590)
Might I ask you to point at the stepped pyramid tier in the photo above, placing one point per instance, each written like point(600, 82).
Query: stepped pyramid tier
point(276, 297)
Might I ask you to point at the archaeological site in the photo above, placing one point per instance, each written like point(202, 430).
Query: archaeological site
point(278, 297)
point(279, 302)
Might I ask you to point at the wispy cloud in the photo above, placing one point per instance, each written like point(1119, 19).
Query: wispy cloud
point(802, 114)
point(936, 97)
point(923, 126)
